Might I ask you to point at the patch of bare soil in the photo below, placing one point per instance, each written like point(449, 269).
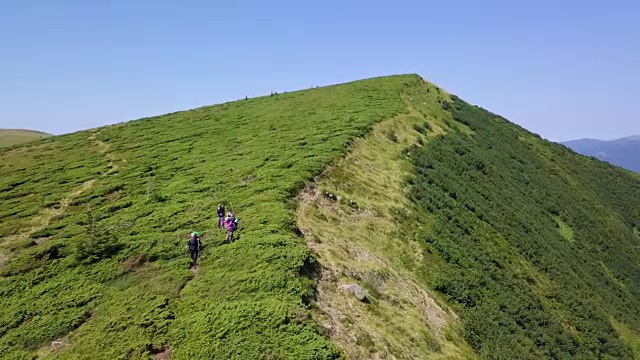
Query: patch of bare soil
point(164, 354)
point(55, 346)
point(195, 270)
point(60, 343)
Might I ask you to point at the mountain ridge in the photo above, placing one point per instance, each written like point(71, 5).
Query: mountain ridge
point(623, 152)
point(470, 236)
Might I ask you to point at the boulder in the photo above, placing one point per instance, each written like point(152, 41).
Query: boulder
point(356, 290)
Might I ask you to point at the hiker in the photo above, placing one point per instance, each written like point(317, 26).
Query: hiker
point(220, 215)
point(230, 226)
point(194, 247)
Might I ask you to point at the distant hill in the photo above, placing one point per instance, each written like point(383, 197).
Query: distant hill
point(624, 152)
point(17, 136)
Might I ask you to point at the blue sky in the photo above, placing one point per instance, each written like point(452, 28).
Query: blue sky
point(561, 69)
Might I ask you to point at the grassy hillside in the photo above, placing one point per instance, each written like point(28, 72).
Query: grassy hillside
point(538, 247)
point(357, 240)
point(10, 137)
point(471, 237)
point(534, 247)
point(94, 224)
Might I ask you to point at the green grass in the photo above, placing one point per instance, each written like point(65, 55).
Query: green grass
point(9, 137)
point(536, 245)
point(472, 237)
point(632, 338)
point(108, 272)
point(565, 230)
point(355, 240)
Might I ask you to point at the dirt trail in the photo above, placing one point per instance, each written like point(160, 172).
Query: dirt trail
point(47, 215)
point(41, 221)
point(103, 148)
point(44, 218)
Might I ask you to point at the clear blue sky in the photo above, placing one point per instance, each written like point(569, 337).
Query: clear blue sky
point(565, 69)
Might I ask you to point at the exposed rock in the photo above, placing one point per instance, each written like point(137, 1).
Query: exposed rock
point(59, 343)
point(357, 291)
point(331, 196)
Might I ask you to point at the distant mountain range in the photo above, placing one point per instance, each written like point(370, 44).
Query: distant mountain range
point(624, 152)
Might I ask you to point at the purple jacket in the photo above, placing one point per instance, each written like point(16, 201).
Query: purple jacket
point(228, 223)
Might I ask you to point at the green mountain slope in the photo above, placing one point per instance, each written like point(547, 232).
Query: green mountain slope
point(10, 137)
point(471, 237)
point(538, 247)
point(94, 225)
point(534, 247)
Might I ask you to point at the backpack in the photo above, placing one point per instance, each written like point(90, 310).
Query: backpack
point(194, 242)
point(235, 224)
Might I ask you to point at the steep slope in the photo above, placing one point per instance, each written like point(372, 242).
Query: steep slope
point(622, 152)
point(94, 224)
point(10, 137)
point(536, 249)
point(537, 246)
point(354, 233)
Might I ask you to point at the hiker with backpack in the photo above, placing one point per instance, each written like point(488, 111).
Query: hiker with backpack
point(194, 247)
point(231, 225)
point(220, 215)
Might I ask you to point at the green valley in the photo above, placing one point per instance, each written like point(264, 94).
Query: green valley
point(471, 237)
